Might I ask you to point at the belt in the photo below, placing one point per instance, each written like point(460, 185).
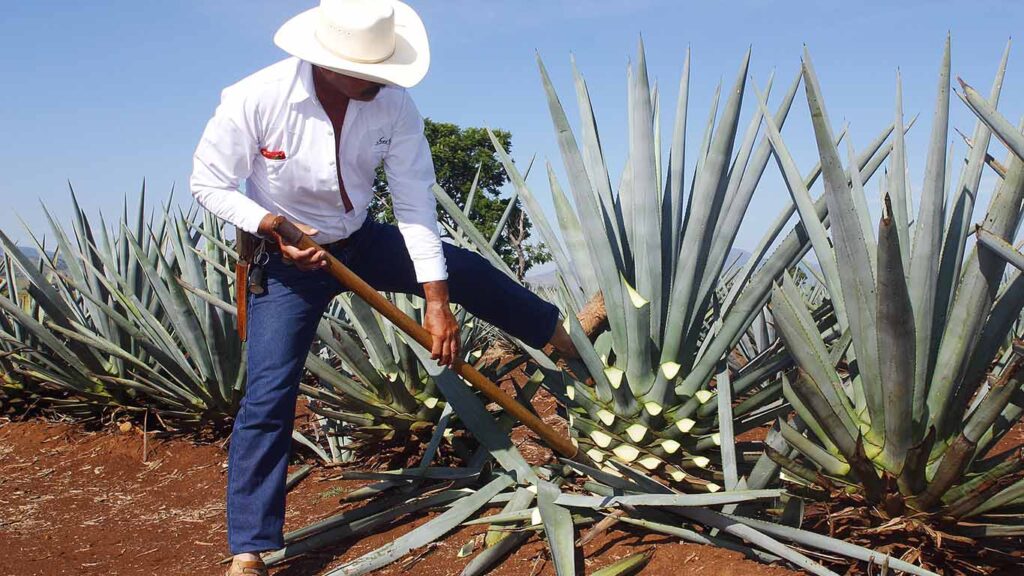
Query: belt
point(273, 247)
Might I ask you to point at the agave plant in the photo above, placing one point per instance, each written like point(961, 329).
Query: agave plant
point(142, 318)
point(737, 317)
point(919, 380)
point(372, 386)
point(19, 394)
point(105, 321)
point(659, 257)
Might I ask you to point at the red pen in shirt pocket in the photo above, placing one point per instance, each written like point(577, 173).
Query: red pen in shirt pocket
point(272, 154)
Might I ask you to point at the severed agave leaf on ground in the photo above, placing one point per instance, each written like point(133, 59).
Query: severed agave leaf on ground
point(426, 533)
point(631, 564)
point(831, 545)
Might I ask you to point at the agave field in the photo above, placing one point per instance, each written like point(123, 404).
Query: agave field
point(840, 401)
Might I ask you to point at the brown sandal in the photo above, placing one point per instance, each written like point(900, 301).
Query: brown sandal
point(247, 568)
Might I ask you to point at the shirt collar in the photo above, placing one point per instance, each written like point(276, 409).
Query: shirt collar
point(302, 88)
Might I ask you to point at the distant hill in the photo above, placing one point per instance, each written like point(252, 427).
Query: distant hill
point(33, 254)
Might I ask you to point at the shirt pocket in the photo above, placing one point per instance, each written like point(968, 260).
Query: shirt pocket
point(276, 168)
point(276, 153)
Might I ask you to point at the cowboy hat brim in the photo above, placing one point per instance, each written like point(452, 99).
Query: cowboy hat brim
point(406, 66)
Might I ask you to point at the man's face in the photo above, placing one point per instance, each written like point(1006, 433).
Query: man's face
point(354, 88)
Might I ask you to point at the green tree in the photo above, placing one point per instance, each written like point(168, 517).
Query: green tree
point(458, 153)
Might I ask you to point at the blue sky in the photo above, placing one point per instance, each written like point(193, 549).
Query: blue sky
point(105, 94)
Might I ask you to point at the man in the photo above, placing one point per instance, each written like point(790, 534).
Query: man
point(306, 135)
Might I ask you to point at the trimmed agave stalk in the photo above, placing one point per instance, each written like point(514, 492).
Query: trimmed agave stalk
point(906, 407)
point(676, 307)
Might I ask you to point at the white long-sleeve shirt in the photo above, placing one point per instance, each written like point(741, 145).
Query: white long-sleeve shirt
point(270, 131)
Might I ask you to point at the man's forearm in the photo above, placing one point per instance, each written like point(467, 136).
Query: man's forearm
point(436, 292)
point(441, 323)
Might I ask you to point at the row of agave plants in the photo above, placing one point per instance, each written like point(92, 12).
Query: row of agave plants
point(887, 376)
point(100, 322)
point(140, 319)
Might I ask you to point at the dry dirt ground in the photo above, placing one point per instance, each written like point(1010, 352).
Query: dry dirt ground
point(84, 503)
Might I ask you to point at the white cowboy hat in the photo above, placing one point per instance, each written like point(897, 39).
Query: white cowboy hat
point(378, 40)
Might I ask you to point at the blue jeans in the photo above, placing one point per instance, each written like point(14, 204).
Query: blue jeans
point(282, 326)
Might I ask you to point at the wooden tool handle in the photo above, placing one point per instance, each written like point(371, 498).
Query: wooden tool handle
point(288, 233)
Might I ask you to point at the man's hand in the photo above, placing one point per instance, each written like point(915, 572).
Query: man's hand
point(305, 260)
point(441, 323)
point(308, 259)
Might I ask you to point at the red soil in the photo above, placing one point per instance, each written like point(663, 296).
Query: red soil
point(85, 503)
